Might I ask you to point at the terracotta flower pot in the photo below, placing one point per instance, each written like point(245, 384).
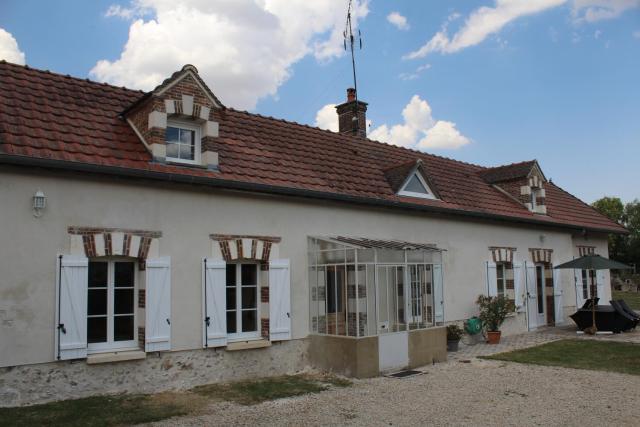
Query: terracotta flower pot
point(493, 337)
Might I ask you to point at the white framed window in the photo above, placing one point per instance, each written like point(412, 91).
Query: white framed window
point(111, 308)
point(501, 276)
point(416, 186)
point(243, 304)
point(183, 140)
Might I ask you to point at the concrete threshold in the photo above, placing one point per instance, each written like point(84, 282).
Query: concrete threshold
point(248, 345)
point(116, 356)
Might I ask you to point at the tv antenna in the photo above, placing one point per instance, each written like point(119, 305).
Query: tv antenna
point(350, 38)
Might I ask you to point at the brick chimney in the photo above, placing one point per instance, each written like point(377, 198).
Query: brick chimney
point(352, 116)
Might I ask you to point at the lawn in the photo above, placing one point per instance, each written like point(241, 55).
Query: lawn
point(632, 298)
point(136, 409)
point(580, 354)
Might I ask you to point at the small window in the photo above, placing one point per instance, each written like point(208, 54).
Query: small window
point(502, 278)
point(416, 186)
point(242, 292)
point(183, 142)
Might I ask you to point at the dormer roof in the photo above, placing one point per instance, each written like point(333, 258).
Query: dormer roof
point(402, 175)
point(512, 172)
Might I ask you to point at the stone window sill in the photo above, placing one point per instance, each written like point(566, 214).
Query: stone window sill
point(118, 356)
point(248, 345)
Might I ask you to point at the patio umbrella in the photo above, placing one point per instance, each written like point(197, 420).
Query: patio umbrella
point(593, 262)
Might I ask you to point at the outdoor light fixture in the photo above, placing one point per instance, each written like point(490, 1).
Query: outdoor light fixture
point(39, 203)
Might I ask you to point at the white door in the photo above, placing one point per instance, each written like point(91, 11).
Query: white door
point(393, 339)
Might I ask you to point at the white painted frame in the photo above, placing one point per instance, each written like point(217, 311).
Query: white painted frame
point(404, 192)
point(242, 336)
point(197, 149)
point(110, 344)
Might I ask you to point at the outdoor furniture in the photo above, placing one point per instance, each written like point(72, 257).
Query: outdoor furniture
point(628, 309)
point(606, 319)
point(633, 318)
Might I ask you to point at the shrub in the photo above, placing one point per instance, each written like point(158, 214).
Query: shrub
point(454, 332)
point(493, 311)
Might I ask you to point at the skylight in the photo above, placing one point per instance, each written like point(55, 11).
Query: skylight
point(416, 186)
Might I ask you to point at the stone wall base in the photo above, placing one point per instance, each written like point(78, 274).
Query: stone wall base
point(179, 370)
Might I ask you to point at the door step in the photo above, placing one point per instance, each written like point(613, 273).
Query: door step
point(405, 374)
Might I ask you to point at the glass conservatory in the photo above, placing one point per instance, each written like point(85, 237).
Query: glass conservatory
point(363, 287)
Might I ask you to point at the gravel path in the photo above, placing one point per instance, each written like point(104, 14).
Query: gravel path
point(453, 393)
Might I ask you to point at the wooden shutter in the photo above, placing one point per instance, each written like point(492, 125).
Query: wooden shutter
point(532, 297)
point(71, 307)
point(518, 289)
point(279, 300)
point(492, 278)
point(600, 279)
point(214, 299)
point(438, 293)
point(557, 298)
point(158, 306)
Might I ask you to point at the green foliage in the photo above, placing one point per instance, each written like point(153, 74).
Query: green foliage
point(454, 332)
point(622, 248)
point(631, 298)
point(493, 311)
point(580, 354)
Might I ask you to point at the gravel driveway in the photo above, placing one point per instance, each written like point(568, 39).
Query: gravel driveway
point(453, 393)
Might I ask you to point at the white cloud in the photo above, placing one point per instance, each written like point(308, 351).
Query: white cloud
point(420, 130)
point(482, 22)
point(398, 20)
point(244, 49)
point(120, 12)
point(636, 34)
point(415, 74)
point(597, 34)
point(327, 118)
point(9, 50)
point(597, 10)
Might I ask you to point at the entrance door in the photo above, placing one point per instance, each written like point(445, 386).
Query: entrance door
point(393, 340)
point(540, 295)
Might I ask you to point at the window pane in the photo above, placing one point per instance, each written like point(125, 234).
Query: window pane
point(123, 328)
point(98, 274)
point(249, 297)
point(123, 301)
point(187, 136)
point(249, 321)
point(186, 152)
point(172, 134)
point(249, 274)
point(172, 150)
point(231, 298)
point(96, 329)
point(124, 272)
point(415, 186)
point(97, 302)
point(231, 322)
point(231, 274)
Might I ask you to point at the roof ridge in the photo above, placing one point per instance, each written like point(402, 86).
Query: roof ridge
point(510, 164)
point(68, 76)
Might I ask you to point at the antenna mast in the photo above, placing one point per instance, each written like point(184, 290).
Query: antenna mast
point(348, 35)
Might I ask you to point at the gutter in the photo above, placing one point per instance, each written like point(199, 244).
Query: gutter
point(276, 190)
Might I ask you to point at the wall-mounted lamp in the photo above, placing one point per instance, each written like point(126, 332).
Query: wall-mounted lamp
point(39, 203)
point(542, 238)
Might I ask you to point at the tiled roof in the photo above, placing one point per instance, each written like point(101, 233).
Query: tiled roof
point(508, 172)
point(50, 116)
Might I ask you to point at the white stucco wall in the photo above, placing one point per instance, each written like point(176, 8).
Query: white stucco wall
point(187, 216)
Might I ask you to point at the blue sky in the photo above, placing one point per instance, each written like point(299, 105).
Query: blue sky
point(501, 81)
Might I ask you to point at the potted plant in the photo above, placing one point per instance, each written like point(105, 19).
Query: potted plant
point(493, 312)
point(454, 333)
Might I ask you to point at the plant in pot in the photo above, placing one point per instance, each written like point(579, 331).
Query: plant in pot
point(454, 333)
point(493, 312)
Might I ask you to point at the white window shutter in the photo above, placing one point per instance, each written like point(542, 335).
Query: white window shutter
point(492, 279)
point(71, 307)
point(279, 300)
point(158, 305)
point(530, 284)
point(214, 300)
point(577, 275)
point(557, 298)
point(600, 279)
point(518, 289)
point(438, 293)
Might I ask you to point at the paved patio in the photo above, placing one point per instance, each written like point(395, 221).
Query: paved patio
point(468, 350)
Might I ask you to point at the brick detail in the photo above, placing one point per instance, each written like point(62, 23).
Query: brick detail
point(502, 254)
point(89, 242)
point(224, 249)
point(541, 255)
point(239, 248)
point(142, 298)
point(101, 230)
point(141, 336)
point(266, 251)
point(586, 250)
point(264, 328)
point(144, 247)
point(264, 294)
point(107, 244)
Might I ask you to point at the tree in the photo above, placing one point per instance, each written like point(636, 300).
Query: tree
point(613, 208)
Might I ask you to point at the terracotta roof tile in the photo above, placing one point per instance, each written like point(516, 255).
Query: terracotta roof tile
point(50, 116)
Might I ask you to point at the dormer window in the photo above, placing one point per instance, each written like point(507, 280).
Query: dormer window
point(416, 186)
point(183, 142)
point(534, 199)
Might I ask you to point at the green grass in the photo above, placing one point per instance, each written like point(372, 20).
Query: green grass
point(632, 298)
point(580, 354)
point(98, 411)
point(256, 391)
